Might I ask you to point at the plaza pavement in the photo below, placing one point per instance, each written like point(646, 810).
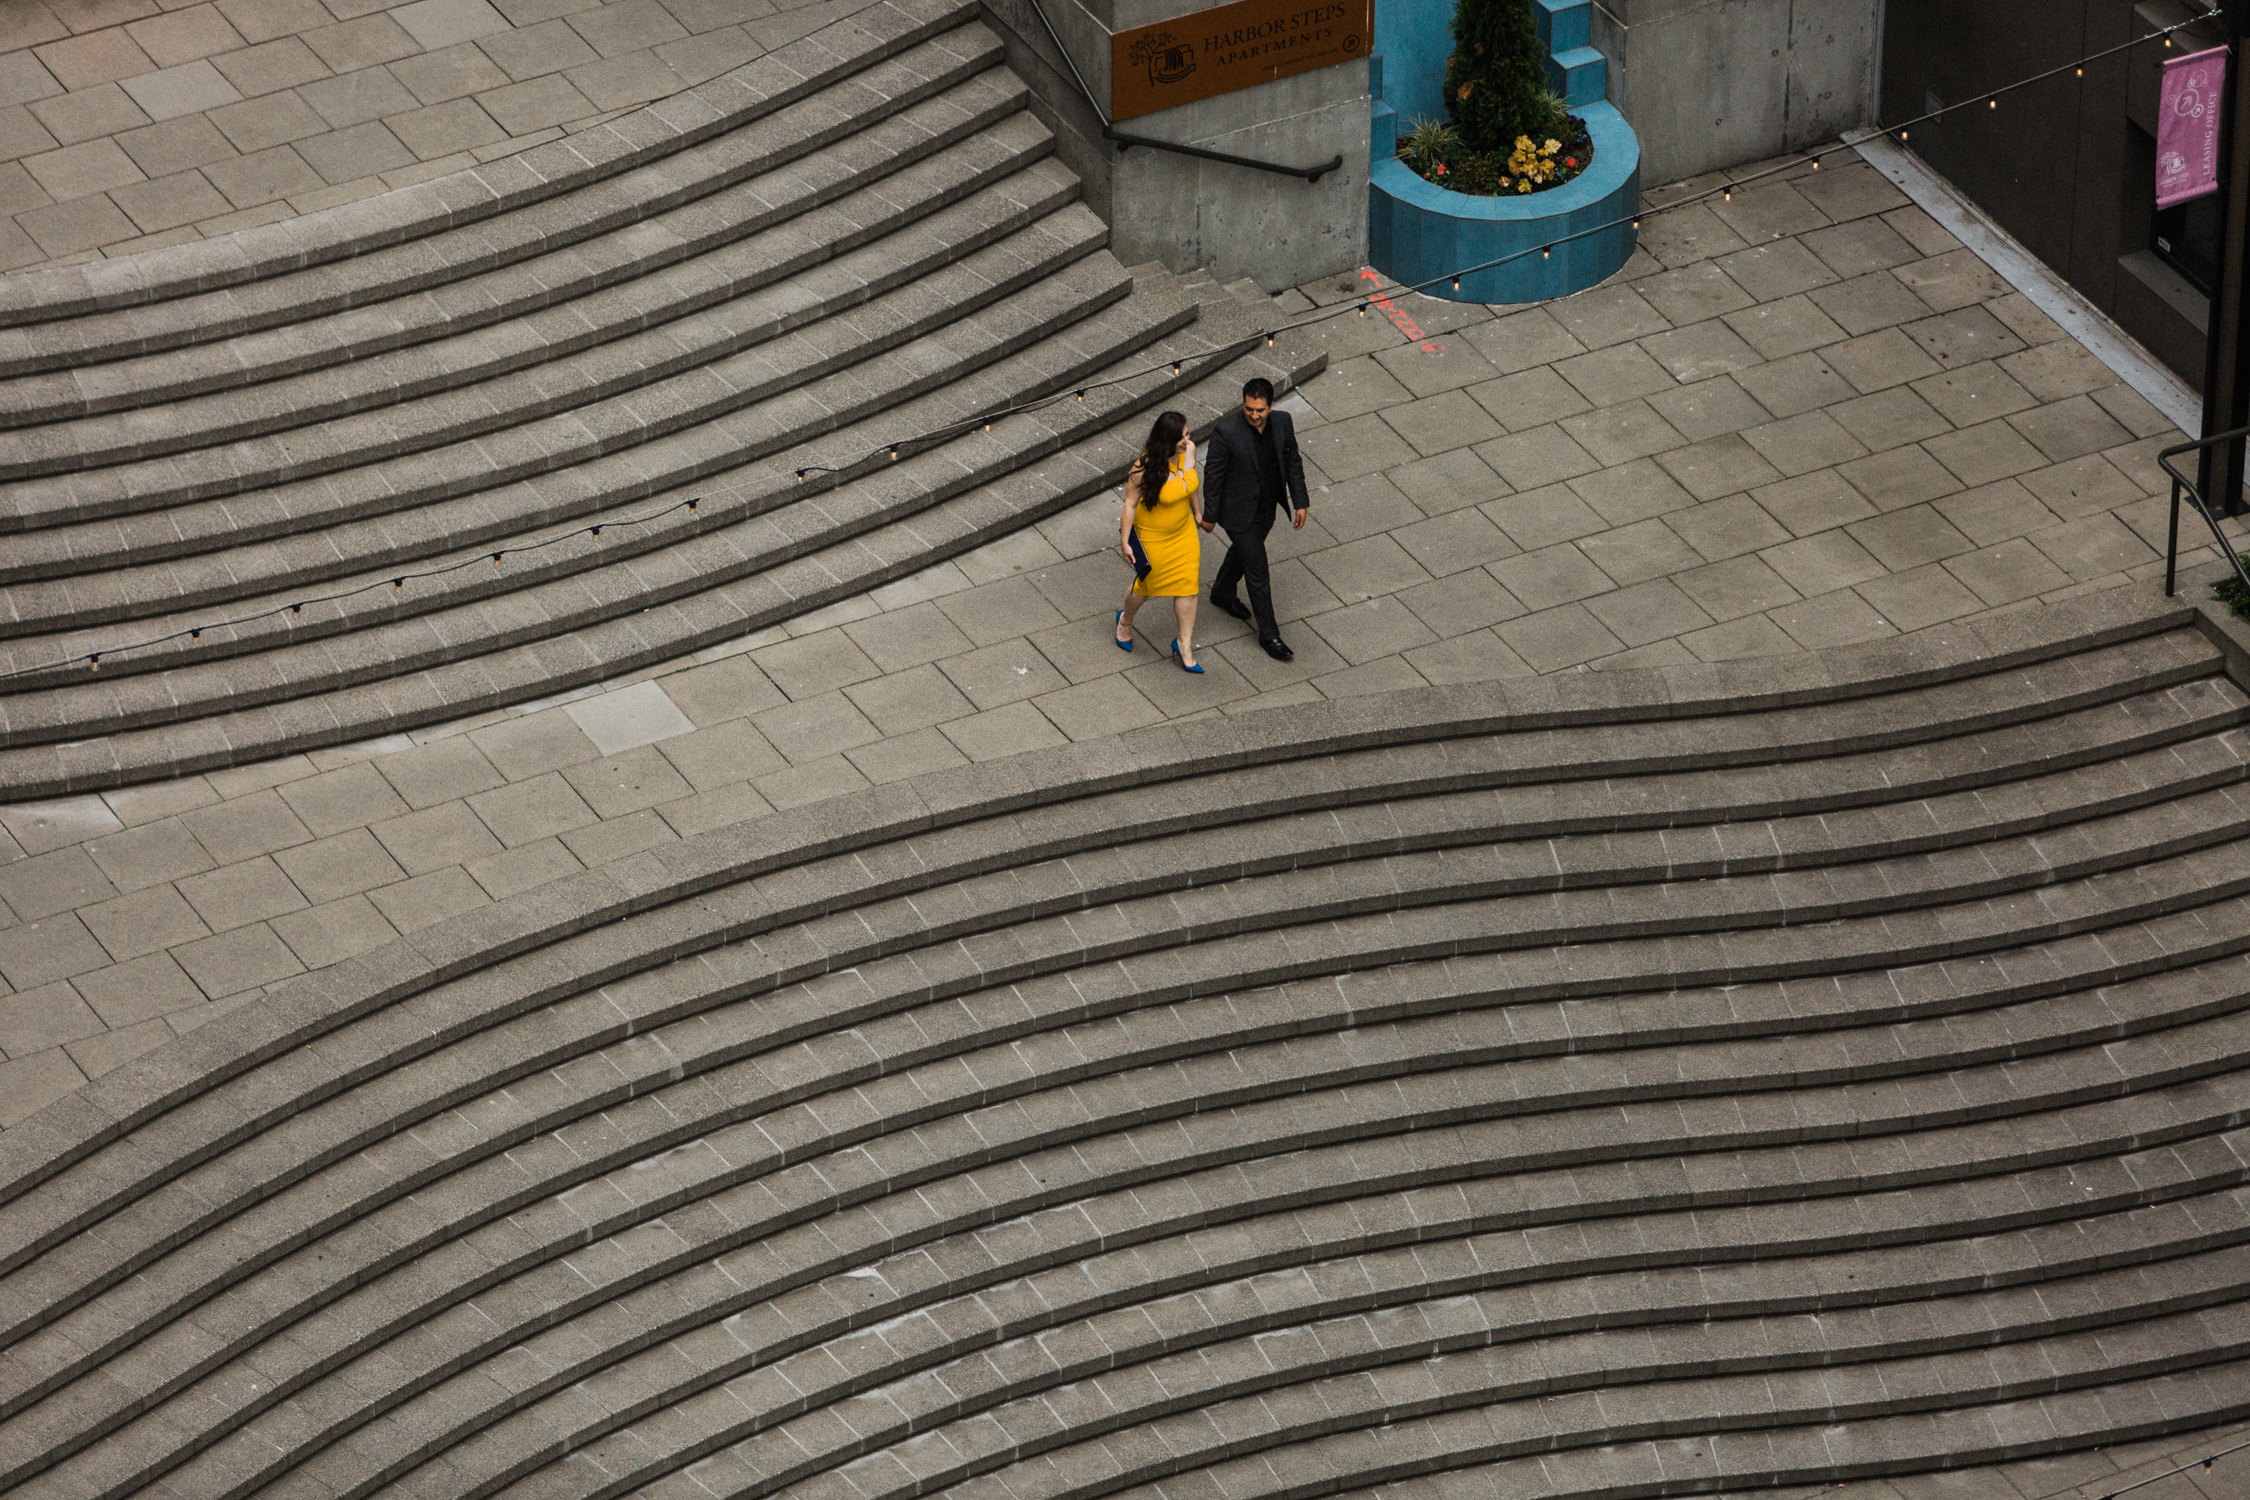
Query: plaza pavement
point(1798, 419)
point(127, 124)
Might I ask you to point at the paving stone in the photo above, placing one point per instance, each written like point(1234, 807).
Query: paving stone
point(514, 750)
point(521, 869)
point(1860, 247)
point(352, 797)
point(1355, 446)
point(1904, 476)
point(1448, 482)
point(344, 864)
point(1542, 517)
point(245, 827)
point(1462, 603)
point(1536, 457)
point(1008, 730)
point(58, 881)
point(1863, 304)
point(1922, 597)
point(893, 759)
point(1718, 466)
point(996, 675)
point(1618, 434)
point(1638, 552)
point(994, 612)
point(1903, 540)
point(1740, 640)
point(1727, 528)
point(1553, 575)
point(98, 1055)
point(129, 993)
point(1608, 377)
point(917, 634)
point(1822, 564)
point(148, 921)
point(615, 785)
point(330, 933)
point(1537, 337)
point(2003, 574)
point(414, 904)
point(1373, 629)
point(231, 962)
point(1651, 611)
point(1355, 388)
point(42, 1018)
point(1555, 638)
point(1839, 619)
point(1979, 455)
point(1734, 588)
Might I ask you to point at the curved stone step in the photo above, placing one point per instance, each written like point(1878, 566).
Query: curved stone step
point(679, 1121)
point(1926, 961)
point(1573, 1081)
point(920, 148)
point(1475, 1290)
point(397, 241)
point(619, 627)
point(990, 231)
point(931, 859)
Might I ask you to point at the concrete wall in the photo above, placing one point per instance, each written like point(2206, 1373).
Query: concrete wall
point(1715, 83)
point(1280, 231)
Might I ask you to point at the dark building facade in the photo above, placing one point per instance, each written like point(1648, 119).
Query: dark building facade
point(2068, 166)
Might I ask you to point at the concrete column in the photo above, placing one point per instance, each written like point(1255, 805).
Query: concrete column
point(1190, 214)
point(1715, 83)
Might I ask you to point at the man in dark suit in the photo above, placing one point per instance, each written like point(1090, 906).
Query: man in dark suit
point(1251, 471)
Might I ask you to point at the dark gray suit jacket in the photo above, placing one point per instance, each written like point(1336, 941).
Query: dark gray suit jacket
point(1230, 470)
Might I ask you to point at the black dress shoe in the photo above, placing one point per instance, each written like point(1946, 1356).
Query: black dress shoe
point(1278, 649)
point(1231, 605)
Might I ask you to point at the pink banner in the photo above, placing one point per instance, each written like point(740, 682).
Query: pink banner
point(2187, 127)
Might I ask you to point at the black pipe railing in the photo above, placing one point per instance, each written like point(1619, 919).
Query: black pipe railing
point(2181, 482)
point(1125, 142)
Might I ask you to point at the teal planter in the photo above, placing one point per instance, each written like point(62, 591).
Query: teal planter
point(1554, 243)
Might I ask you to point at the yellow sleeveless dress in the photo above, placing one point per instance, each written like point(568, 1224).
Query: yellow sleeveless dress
point(1168, 535)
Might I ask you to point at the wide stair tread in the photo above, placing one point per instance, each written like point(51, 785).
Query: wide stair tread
point(1453, 1073)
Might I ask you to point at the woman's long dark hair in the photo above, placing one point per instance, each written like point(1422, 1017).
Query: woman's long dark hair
point(1156, 458)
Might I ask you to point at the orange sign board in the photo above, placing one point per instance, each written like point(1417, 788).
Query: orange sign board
point(1232, 47)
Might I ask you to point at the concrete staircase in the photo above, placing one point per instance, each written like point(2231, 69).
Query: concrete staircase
point(1640, 1082)
point(430, 454)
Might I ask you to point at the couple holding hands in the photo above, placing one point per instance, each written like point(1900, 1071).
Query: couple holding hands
point(1254, 471)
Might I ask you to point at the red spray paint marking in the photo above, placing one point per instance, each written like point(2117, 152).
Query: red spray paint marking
point(1399, 317)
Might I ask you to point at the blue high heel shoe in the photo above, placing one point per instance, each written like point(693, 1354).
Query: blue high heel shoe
point(1183, 661)
point(1120, 645)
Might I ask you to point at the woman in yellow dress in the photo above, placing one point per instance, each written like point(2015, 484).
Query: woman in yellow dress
point(1158, 535)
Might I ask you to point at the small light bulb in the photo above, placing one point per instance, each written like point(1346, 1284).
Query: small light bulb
point(1991, 104)
point(692, 504)
point(1081, 395)
point(496, 559)
point(195, 634)
point(398, 585)
point(894, 450)
point(296, 609)
point(596, 530)
point(2082, 72)
point(1902, 135)
point(1175, 367)
point(1269, 341)
point(1547, 252)
point(1816, 164)
point(95, 661)
point(1727, 194)
point(800, 476)
point(1363, 309)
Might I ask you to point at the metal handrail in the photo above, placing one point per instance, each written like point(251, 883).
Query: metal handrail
point(1125, 142)
point(2182, 482)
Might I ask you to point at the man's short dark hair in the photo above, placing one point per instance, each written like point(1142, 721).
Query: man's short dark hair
point(1258, 388)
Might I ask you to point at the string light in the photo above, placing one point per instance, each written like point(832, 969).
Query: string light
point(1457, 283)
point(398, 585)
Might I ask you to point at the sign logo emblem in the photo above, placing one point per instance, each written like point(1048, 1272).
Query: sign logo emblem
point(1168, 61)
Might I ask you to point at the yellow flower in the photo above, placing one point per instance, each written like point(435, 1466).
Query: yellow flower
point(1552, 147)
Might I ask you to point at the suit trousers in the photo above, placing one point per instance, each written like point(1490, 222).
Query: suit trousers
point(1246, 561)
